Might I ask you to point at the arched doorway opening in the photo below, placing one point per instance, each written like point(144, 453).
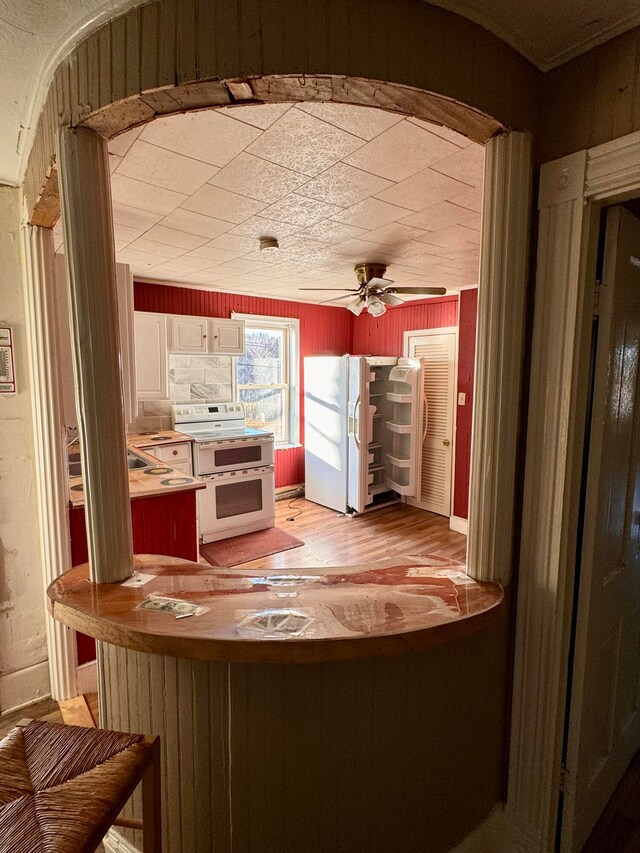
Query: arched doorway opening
point(499, 358)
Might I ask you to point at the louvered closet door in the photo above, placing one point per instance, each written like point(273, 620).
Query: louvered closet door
point(438, 353)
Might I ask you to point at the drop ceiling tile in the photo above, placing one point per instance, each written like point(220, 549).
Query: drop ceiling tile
point(400, 152)
point(214, 273)
point(300, 210)
point(422, 190)
point(234, 244)
point(163, 168)
point(302, 246)
point(256, 178)
point(213, 254)
point(180, 239)
point(359, 251)
point(454, 235)
point(183, 266)
point(300, 142)
point(124, 235)
point(365, 122)
point(329, 231)
point(196, 223)
point(260, 226)
point(133, 218)
point(466, 166)
point(469, 197)
point(395, 233)
point(114, 162)
point(159, 250)
point(207, 136)
point(371, 213)
point(121, 144)
point(444, 132)
point(213, 201)
point(134, 193)
point(138, 261)
point(242, 265)
point(258, 115)
point(343, 185)
point(438, 215)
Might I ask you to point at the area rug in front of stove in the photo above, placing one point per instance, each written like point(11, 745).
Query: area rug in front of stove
point(250, 546)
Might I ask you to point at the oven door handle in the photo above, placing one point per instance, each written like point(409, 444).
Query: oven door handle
point(231, 442)
point(242, 474)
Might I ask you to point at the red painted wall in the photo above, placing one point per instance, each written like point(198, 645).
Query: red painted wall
point(164, 524)
point(466, 371)
point(384, 335)
point(323, 331)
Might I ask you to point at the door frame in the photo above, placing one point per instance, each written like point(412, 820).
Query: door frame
point(572, 192)
point(444, 330)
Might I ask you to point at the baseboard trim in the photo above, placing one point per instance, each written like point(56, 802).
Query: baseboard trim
point(460, 525)
point(87, 678)
point(488, 837)
point(24, 687)
point(116, 843)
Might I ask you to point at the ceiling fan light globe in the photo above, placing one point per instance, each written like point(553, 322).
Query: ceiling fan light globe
point(376, 307)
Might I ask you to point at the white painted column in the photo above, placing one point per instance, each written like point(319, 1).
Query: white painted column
point(504, 273)
point(88, 235)
point(55, 549)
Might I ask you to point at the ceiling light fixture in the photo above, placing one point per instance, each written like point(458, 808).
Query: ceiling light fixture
point(375, 306)
point(269, 244)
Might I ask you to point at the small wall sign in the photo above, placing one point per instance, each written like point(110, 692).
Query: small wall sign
point(7, 373)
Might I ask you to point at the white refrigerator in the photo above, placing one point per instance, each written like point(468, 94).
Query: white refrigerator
point(364, 427)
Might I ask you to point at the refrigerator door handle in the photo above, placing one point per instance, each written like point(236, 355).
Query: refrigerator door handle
point(356, 421)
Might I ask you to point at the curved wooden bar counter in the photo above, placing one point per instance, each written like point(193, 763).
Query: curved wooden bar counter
point(285, 709)
point(260, 616)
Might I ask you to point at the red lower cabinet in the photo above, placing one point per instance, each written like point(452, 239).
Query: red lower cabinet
point(165, 524)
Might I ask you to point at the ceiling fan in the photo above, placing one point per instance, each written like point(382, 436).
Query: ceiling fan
point(374, 292)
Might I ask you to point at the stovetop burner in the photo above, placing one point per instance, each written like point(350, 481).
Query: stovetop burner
point(160, 438)
point(157, 471)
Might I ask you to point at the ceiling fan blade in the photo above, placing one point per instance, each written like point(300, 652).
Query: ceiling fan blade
point(379, 282)
point(336, 300)
point(389, 298)
point(345, 289)
point(431, 291)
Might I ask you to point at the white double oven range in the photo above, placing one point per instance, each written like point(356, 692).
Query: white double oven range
point(236, 462)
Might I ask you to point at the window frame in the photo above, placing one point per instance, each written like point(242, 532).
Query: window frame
point(291, 369)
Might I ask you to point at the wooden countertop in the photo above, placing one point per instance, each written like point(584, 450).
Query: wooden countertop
point(306, 616)
point(156, 439)
point(158, 479)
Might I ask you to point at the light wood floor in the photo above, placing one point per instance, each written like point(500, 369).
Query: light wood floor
point(332, 539)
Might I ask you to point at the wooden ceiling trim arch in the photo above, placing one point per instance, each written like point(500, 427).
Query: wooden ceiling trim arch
point(171, 56)
point(117, 118)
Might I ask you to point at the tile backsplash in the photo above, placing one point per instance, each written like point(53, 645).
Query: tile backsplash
point(191, 377)
point(200, 377)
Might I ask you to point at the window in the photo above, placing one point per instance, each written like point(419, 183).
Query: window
point(267, 375)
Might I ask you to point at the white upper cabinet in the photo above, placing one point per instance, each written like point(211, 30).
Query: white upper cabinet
point(188, 334)
point(124, 282)
point(227, 336)
point(151, 355)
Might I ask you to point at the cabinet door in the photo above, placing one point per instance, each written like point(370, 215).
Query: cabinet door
point(171, 453)
point(151, 355)
point(188, 334)
point(227, 336)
